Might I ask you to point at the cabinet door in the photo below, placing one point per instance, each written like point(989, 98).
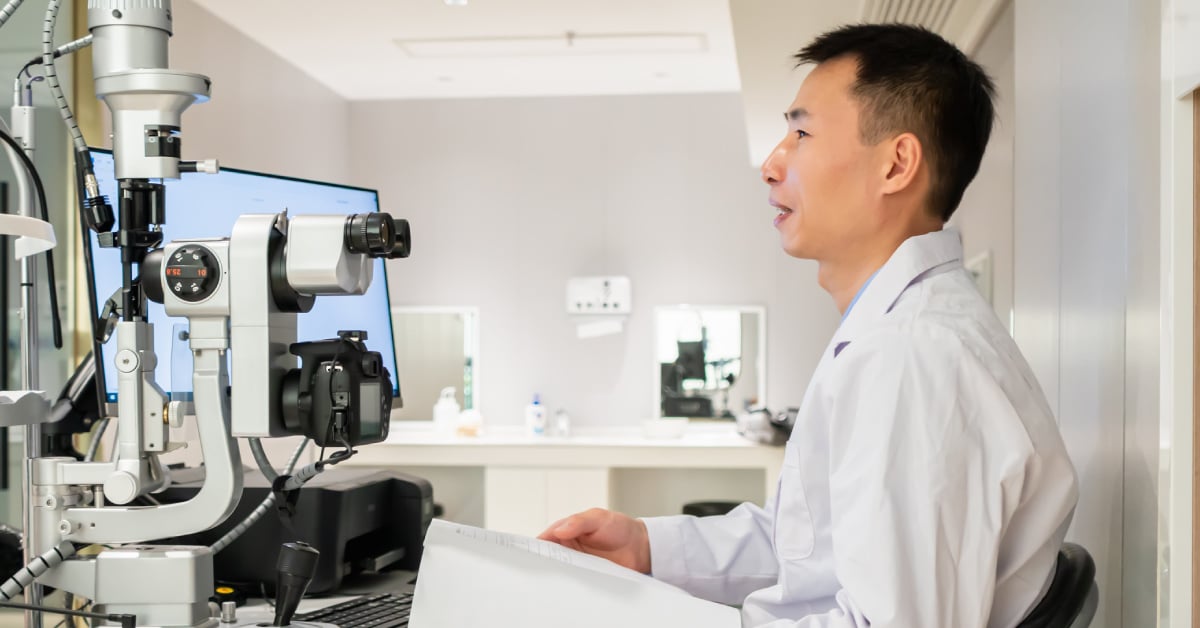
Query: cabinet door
point(524, 500)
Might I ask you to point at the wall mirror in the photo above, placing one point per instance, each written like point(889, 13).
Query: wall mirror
point(709, 360)
point(436, 348)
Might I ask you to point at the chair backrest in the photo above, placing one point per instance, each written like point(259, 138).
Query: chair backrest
point(1073, 585)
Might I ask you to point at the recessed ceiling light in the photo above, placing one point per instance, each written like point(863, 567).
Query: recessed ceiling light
point(456, 3)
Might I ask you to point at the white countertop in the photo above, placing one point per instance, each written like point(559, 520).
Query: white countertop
point(700, 445)
point(695, 435)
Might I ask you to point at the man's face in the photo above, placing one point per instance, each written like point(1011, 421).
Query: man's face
point(823, 179)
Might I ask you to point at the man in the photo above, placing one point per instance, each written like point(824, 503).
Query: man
point(925, 484)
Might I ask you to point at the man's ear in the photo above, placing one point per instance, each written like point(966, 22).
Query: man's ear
point(903, 161)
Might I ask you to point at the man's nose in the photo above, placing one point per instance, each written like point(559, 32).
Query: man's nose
point(772, 169)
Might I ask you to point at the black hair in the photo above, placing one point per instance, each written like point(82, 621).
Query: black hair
point(910, 79)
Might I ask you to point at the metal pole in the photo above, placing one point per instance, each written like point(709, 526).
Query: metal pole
point(29, 381)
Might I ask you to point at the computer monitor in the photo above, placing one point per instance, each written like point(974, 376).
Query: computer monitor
point(207, 205)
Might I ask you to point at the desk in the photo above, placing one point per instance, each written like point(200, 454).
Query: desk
point(530, 481)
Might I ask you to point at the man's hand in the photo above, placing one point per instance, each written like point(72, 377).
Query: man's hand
point(604, 533)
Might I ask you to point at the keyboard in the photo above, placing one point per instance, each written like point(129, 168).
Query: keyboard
point(385, 610)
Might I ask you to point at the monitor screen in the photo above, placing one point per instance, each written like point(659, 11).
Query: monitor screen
point(205, 206)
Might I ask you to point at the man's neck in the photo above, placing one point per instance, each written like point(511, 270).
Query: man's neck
point(843, 278)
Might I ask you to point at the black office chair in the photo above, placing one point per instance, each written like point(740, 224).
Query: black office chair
point(1071, 600)
point(708, 509)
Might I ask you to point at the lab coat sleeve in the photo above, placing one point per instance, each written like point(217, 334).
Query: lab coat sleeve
point(916, 500)
point(721, 558)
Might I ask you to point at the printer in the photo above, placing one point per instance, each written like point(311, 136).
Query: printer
point(360, 519)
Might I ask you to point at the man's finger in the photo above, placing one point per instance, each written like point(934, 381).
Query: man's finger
point(579, 525)
point(548, 534)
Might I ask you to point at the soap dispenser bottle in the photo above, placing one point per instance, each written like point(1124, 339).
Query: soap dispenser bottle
point(535, 417)
point(445, 411)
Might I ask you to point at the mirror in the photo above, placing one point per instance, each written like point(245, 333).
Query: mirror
point(709, 360)
point(436, 348)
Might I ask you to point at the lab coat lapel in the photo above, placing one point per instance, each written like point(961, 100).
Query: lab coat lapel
point(911, 262)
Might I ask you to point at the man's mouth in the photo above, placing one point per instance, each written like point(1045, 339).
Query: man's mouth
point(781, 213)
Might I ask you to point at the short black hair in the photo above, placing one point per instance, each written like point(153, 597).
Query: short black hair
point(910, 79)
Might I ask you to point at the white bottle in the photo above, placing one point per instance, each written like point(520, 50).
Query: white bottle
point(535, 417)
point(562, 424)
point(445, 411)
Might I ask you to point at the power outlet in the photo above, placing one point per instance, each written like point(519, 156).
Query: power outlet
point(599, 295)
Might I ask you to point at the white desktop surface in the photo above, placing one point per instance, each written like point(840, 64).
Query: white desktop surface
point(529, 481)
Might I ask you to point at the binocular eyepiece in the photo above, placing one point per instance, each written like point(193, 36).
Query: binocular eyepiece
point(378, 235)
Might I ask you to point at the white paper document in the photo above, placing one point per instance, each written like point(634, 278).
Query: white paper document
point(475, 577)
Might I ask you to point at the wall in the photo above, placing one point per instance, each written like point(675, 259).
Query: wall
point(1181, 72)
point(265, 114)
point(508, 198)
point(1086, 297)
point(986, 213)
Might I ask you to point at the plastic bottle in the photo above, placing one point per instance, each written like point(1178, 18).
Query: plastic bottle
point(445, 411)
point(562, 424)
point(535, 417)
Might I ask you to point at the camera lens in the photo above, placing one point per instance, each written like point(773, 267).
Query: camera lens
point(403, 239)
point(377, 235)
point(372, 234)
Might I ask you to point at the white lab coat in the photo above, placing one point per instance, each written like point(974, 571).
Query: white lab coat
point(925, 484)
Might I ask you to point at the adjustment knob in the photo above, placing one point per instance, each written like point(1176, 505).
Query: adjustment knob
point(121, 487)
point(191, 273)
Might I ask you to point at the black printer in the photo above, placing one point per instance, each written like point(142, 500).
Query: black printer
point(361, 520)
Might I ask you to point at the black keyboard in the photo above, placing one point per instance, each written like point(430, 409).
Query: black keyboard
point(386, 610)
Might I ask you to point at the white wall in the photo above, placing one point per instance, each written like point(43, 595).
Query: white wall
point(264, 114)
point(1086, 277)
point(1181, 72)
point(986, 213)
point(510, 197)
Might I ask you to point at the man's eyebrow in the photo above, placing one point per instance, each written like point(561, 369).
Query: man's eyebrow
point(796, 114)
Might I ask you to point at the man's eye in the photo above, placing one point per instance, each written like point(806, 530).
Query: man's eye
point(801, 134)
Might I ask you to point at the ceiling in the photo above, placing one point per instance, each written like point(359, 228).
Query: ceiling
point(396, 49)
point(401, 49)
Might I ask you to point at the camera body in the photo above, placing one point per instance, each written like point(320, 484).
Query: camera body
point(341, 395)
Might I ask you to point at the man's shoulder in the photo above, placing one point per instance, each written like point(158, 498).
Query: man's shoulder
point(933, 339)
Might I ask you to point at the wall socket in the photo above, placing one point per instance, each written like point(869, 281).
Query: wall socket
point(599, 295)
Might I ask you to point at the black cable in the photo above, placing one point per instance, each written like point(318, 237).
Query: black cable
point(93, 298)
point(4, 336)
point(126, 621)
point(55, 322)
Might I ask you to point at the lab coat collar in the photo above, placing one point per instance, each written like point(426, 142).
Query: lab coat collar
point(909, 264)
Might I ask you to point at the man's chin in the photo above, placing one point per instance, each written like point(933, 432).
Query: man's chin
point(797, 249)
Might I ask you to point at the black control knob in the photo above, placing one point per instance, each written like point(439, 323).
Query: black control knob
point(191, 273)
point(293, 573)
